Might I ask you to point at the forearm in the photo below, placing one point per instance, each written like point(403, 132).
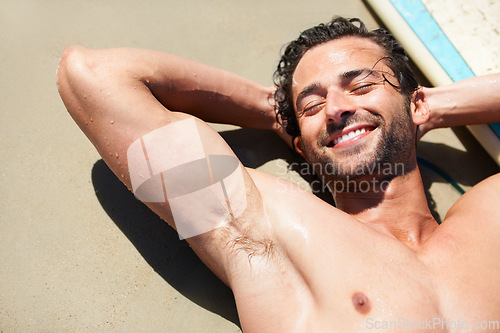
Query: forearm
point(467, 102)
point(211, 94)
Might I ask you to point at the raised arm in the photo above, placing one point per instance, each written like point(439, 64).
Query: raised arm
point(125, 101)
point(467, 102)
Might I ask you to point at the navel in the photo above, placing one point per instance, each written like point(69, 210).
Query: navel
point(361, 302)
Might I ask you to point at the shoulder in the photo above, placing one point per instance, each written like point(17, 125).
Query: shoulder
point(296, 215)
point(480, 204)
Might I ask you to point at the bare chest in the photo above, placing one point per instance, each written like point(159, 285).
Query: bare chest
point(451, 286)
point(353, 280)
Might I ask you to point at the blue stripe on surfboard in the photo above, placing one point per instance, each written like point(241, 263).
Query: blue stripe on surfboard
point(496, 128)
point(432, 36)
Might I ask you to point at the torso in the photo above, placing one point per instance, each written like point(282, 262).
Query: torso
point(331, 273)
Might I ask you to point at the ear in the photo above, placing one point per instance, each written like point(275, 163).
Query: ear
point(299, 147)
point(419, 107)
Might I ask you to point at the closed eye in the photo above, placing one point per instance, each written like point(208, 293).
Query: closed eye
point(313, 107)
point(363, 89)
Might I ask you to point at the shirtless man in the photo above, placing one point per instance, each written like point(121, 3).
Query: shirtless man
point(296, 264)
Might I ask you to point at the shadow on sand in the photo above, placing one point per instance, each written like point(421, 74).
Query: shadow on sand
point(160, 246)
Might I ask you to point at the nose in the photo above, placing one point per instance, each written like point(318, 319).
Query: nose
point(338, 106)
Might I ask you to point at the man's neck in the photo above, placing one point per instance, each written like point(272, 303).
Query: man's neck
point(399, 209)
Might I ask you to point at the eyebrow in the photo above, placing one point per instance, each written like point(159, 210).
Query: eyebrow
point(345, 78)
point(348, 76)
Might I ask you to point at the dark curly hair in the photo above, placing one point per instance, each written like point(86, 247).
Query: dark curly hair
point(337, 28)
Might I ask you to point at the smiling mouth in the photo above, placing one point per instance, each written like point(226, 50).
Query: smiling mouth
point(349, 135)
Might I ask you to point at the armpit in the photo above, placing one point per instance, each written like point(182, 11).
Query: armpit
point(253, 248)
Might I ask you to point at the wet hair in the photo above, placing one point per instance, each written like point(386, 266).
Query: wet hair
point(396, 58)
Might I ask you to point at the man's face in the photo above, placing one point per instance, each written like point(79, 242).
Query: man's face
point(351, 119)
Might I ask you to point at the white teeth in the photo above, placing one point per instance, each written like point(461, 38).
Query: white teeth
point(349, 135)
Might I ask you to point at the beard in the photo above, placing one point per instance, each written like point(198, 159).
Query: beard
point(390, 158)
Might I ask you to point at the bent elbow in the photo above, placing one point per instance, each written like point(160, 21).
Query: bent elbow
point(71, 59)
point(73, 77)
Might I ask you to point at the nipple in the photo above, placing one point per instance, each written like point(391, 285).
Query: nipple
point(361, 302)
